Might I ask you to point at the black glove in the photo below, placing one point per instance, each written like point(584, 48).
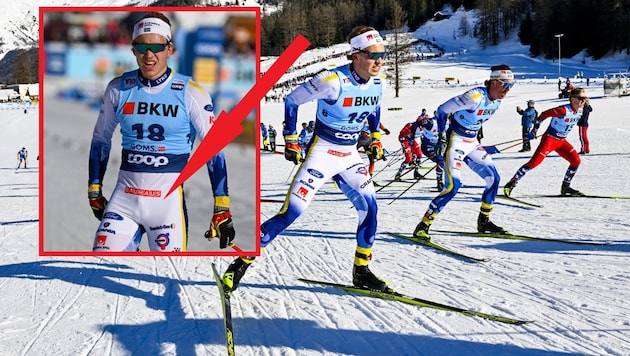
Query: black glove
point(440, 146)
point(387, 132)
point(223, 227)
point(97, 200)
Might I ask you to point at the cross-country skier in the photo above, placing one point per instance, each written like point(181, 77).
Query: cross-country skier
point(563, 118)
point(155, 108)
point(22, 155)
point(428, 146)
point(459, 146)
point(346, 96)
point(410, 147)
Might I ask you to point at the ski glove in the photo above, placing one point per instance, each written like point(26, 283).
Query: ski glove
point(376, 147)
point(97, 200)
point(440, 146)
point(222, 225)
point(292, 151)
point(387, 132)
point(532, 134)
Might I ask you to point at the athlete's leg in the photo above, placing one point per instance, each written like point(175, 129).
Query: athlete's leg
point(116, 231)
point(566, 151)
point(546, 146)
point(355, 183)
point(165, 221)
point(457, 149)
point(481, 163)
point(318, 168)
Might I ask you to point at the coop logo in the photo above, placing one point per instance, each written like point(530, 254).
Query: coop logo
point(361, 101)
point(347, 136)
point(177, 84)
point(153, 109)
point(149, 160)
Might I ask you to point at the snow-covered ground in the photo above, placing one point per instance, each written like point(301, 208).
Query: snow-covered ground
point(576, 294)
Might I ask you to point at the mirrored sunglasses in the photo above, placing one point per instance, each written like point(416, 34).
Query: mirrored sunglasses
point(506, 85)
point(153, 47)
point(374, 55)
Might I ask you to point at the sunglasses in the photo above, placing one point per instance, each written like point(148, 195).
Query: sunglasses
point(506, 85)
point(580, 98)
point(153, 47)
point(374, 55)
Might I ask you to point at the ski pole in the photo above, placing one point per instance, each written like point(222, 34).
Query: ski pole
point(412, 184)
point(291, 174)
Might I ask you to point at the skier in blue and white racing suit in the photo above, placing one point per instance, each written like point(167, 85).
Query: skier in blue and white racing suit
point(156, 109)
point(458, 145)
point(346, 96)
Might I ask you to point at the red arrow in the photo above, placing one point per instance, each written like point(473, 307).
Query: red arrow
point(228, 126)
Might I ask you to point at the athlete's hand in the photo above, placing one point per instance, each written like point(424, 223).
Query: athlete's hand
point(376, 147)
point(440, 146)
point(97, 200)
point(292, 151)
point(387, 132)
point(532, 134)
point(223, 226)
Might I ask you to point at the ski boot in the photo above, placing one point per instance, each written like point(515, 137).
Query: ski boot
point(362, 277)
point(440, 185)
point(484, 225)
point(507, 189)
point(566, 190)
point(422, 231)
point(235, 271)
point(416, 174)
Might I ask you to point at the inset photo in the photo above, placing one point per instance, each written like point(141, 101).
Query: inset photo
point(134, 129)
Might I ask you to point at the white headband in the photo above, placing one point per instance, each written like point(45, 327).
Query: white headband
point(152, 25)
point(501, 74)
point(365, 40)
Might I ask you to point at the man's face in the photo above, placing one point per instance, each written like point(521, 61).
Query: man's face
point(152, 64)
point(365, 66)
point(499, 88)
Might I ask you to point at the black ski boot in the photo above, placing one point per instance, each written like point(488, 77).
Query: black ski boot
point(568, 191)
point(484, 225)
point(362, 277)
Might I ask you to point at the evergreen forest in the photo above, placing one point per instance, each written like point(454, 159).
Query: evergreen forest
point(600, 27)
